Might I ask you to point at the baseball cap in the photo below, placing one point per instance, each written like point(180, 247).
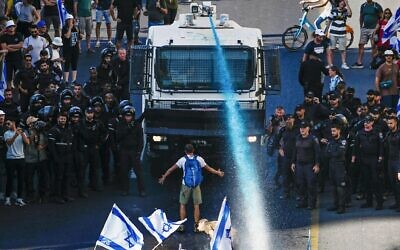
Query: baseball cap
point(319, 32)
point(310, 94)
point(304, 124)
point(376, 111)
point(89, 110)
point(388, 52)
point(333, 96)
point(41, 24)
point(10, 23)
point(299, 107)
point(370, 92)
point(69, 16)
point(289, 116)
point(2, 112)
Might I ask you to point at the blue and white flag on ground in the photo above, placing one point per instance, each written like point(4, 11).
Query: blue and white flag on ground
point(221, 239)
point(3, 83)
point(159, 226)
point(119, 232)
point(392, 26)
point(62, 12)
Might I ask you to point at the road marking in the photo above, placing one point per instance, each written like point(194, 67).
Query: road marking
point(314, 227)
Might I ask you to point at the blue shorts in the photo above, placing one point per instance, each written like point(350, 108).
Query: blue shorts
point(103, 13)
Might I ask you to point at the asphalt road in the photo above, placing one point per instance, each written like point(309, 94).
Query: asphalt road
point(77, 224)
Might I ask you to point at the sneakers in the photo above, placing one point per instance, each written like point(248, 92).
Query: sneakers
point(19, 202)
point(97, 44)
point(8, 201)
point(357, 66)
point(109, 43)
point(344, 66)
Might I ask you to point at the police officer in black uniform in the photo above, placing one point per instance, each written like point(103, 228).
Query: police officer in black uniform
point(368, 151)
point(392, 149)
point(60, 140)
point(287, 141)
point(336, 153)
point(65, 101)
point(129, 135)
point(93, 132)
point(24, 80)
point(75, 115)
point(305, 165)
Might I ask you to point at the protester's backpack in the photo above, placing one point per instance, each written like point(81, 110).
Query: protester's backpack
point(192, 175)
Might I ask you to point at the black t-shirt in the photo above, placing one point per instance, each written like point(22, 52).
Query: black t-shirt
point(317, 50)
point(104, 4)
point(12, 39)
point(50, 10)
point(154, 12)
point(125, 9)
point(72, 42)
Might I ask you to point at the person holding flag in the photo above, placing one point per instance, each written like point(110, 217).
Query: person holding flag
point(192, 166)
point(390, 30)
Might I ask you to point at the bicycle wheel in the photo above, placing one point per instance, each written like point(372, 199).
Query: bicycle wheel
point(294, 38)
point(349, 36)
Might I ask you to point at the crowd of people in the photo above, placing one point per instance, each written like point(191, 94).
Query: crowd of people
point(54, 129)
point(335, 135)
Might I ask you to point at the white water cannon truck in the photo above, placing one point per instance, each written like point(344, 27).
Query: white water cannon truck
point(174, 80)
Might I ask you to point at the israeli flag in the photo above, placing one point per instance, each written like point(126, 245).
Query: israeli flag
point(3, 83)
point(62, 12)
point(392, 26)
point(221, 239)
point(398, 108)
point(119, 232)
point(159, 226)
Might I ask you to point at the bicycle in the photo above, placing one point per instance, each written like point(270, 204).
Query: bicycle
point(295, 37)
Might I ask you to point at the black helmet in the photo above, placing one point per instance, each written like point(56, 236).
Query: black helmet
point(36, 102)
point(46, 112)
point(123, 103)
point(106, 52)
point(39, 125)
point(341, 120)
point(128, 110)
point(97, 100)
point(65, 94)
point(75, 110)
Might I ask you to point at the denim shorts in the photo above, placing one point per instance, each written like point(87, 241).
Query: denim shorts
point(103, 13)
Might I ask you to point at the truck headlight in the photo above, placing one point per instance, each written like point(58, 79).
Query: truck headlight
point(159, 138)
point(252, 139)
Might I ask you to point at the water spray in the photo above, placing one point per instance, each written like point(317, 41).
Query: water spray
point(256, 234)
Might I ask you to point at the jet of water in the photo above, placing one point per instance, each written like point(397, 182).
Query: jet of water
point(256, 233)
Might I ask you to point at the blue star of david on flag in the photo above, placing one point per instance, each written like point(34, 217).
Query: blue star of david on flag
point(221, 239)
point(159, 226)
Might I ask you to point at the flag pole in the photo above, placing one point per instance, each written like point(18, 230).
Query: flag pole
point(157, 245)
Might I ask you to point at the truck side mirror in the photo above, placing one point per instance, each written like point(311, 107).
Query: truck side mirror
point(139, 68)
point(270, 69)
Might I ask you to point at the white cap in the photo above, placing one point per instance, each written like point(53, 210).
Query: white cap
point(319, 32)
point(2, 112)
point(69, 16)
point(388, 52)
point(57, 41)
point(10, 23)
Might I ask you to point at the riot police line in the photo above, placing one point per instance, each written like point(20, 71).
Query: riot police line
point(71, 138)
point(353, 146)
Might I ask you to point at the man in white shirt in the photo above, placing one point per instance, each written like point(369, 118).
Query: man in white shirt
point(34, 43)
point(192, 166)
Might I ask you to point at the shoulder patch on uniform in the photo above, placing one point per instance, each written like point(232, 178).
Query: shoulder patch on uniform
point(344, 142)
point(380, 135)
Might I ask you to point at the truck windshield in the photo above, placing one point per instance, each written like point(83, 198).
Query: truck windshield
point(195, 68)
